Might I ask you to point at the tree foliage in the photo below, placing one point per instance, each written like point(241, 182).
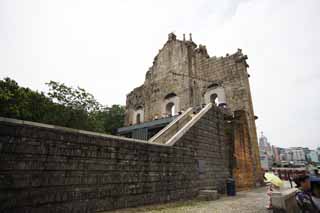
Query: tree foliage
point(70, 97)
point(63, 106)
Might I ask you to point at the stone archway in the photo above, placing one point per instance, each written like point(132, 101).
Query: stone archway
point(138, 118)
point(138, 115)
point(214, 99)
point(215, 95)
point(170, 109)
point(170, 105)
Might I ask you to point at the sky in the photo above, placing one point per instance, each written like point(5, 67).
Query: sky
point(107, 46)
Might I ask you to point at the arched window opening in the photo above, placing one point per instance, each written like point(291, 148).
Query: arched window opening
point(212, 85)
point(138, 118)
point(170, 95)
point(171, 109)
point(214, 99)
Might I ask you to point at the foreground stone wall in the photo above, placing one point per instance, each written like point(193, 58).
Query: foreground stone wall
point(212, 149)
point(49, 169)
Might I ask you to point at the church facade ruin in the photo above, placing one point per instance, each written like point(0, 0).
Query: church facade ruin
point(183, 75)
point(189, 127)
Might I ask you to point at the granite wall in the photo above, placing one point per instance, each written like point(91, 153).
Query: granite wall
point(185, 69)
point(45, 168)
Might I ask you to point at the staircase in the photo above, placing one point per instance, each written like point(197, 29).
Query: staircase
point(178, 127)
point(166, 133)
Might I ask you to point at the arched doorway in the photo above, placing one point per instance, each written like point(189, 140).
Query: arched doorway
point(138, 115)
point(170, 109)
point(214, 99)
point(138, 118)
point(215, 95)
point(170, 105)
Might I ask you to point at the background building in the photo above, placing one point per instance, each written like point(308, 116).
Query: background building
point(266, 153)
point(265, 161)
point(276, 154)
point(271, 155)
point(313, 156)
point(298, 154)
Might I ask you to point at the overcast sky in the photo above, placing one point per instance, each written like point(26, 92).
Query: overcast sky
point(107, 46)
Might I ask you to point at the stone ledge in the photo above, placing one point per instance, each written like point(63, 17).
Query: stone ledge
point(66, 129)
point(207, 195)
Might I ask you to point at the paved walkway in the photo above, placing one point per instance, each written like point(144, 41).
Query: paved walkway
point(247, 201)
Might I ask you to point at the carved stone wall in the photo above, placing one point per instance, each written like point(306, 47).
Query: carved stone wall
point(183, 68)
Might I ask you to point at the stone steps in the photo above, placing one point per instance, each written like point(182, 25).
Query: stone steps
point(208, 195)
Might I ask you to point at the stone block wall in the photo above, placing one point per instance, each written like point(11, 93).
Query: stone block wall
point(45, 168)
point(212, 149)
point(159, 81)
point(232, 72)
point(243, 170)
point(184, 68)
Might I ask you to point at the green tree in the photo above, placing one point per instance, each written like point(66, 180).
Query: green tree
point(113, 118)
point(22, 103)
point(76, 98)
point(64, 106)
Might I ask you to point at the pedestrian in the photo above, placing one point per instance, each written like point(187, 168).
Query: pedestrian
point(290, 180)
point(273, 184)
point(303, 195)
point(316, 194)
point(269, 194)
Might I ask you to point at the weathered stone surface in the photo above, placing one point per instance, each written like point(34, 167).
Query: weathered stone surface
point(206, 195)
point(186, 73)
point(49, 169)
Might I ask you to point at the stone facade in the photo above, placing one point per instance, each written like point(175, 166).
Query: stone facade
point(45, 168)
point(183, 75)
